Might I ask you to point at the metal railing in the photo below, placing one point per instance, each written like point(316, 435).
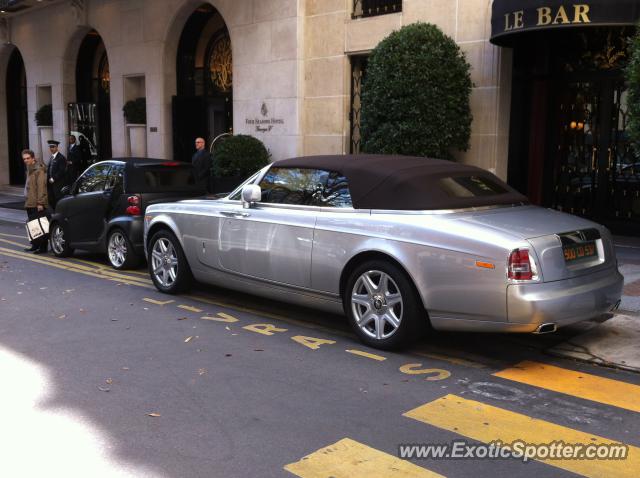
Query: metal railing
point(372, 8)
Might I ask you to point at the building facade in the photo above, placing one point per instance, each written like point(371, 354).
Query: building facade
point(290, 73)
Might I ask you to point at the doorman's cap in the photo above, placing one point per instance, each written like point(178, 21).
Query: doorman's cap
point(53, 142)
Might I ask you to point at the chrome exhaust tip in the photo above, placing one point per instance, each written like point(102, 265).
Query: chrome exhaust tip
point(548, 328)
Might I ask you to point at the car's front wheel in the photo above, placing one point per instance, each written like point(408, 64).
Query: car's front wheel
point(168, 265)
point(120, 251)
point(382, 305)
point(58, 241)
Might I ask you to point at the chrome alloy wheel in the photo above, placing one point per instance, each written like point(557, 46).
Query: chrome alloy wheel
point(377, 305)
point(117, 249)
point(57, 239)
point(164, 262)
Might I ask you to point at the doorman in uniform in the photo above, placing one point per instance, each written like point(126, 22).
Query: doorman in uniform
point(56, 173)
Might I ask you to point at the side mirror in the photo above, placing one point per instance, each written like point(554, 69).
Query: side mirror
point(251, 193)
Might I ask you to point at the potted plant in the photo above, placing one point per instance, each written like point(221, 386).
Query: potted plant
point(44, 121)
point(235, 159)
point(135, 113)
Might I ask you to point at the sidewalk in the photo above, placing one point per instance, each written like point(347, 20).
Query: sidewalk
point(614, 343)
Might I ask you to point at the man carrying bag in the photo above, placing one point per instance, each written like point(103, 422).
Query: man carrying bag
point(36, 202)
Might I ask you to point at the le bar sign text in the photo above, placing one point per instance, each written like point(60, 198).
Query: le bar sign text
point(546, 16)
point(264, 124)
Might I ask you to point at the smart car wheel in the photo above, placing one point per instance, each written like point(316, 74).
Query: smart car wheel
point(58, 242)
point(120, 251)
point(382, 305)
point(167, 264)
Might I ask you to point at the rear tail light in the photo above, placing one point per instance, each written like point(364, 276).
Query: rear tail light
point(134, 206)
point(521, 266)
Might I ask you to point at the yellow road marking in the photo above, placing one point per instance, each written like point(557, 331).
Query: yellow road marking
point(435, 373)
point(78, 267)
point(14, 235)
point(264, 329)
point(453, 360)
point(360, 353)
point(221, 317)
point(158, 302)
point(190, 308)
point(19, 244)
point(61, 265)
point(582, 385)
point(350, 459)
point(486, 423)
point(312, 343)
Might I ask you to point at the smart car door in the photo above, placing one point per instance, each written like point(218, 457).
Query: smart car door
point(88, 207)
point(274, 239)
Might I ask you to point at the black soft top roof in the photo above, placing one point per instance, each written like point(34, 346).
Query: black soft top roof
point(404, 182)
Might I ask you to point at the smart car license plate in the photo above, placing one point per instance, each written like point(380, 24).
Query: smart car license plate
point(577, 252)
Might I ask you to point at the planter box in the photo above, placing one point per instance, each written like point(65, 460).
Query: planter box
point(136, 140)
point(45, 133)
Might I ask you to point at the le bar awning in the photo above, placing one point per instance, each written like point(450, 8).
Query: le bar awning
point(510, 18)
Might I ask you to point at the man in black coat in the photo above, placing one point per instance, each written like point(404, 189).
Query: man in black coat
point(56, 173)
point(201, 161)
point(74, 161)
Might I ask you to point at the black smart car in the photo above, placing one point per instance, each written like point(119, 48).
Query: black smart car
point(104, 210)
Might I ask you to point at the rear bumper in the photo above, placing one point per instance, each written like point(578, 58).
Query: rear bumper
point(563, 302)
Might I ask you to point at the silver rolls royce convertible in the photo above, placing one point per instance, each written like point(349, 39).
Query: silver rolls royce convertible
point(396, 243)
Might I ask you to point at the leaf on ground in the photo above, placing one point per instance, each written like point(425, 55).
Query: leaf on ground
point(258, 350)
point(183, 318)
point(43, 288)
point(188, 339)
point(154, 415)
point(109, 381)
point(227, 355)
point(202, 371)
point(82, 311)
point(125, 368)
point(63, 316)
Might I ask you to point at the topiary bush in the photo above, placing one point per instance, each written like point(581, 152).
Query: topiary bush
point(632, 72)
point(135, 111)
point(240, 155)
point(44, 116)
point(415, 96)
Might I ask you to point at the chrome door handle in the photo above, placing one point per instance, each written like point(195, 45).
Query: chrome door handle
point(234, 214)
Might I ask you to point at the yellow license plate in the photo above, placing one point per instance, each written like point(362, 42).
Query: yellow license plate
point(576, 252)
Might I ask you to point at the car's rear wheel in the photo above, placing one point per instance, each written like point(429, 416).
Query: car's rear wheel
point(168, 265)
point(120, 251)
point(58, 241)
point(382, 305)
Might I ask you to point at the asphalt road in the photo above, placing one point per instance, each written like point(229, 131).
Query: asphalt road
point(101, 375)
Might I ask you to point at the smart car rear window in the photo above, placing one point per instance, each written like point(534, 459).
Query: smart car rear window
point(470, 186)
point(152, 179)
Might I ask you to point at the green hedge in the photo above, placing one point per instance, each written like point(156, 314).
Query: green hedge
point(135, 111)
point(633, 76)
point(240, 155)
point(415, 96)
point(44, 116)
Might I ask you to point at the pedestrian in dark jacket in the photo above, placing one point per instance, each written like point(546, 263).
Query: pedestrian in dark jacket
point(36, 201)
point(74, 161)
point(56, 173)
point(201, 161)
